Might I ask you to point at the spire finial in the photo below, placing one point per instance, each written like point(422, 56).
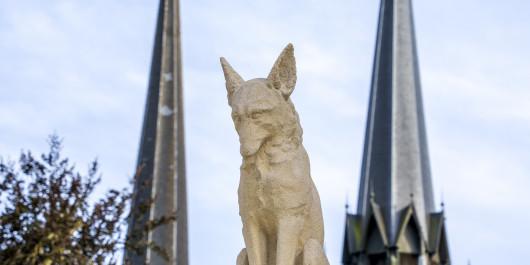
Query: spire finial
point(347, 203)
point(443, 203)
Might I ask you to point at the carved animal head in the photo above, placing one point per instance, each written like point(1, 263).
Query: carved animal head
point(262, 108)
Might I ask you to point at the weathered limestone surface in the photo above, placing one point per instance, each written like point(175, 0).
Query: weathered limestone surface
point(278, 202)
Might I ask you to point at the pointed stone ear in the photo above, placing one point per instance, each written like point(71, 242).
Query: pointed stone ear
point(233, 79)
point(283, 73)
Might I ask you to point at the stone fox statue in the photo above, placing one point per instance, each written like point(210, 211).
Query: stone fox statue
point(278, 202)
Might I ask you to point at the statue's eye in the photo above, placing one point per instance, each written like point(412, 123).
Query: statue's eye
point(256, 115)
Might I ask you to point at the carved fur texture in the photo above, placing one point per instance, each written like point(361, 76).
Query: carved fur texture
point(278, 202)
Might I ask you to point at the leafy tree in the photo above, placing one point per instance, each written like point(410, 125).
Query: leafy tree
point(46, 218)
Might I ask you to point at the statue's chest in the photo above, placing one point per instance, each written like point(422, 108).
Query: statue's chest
point(267, 187)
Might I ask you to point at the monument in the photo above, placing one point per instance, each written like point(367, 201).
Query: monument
point(278, 202)
point(161, 182)
point(396, 221)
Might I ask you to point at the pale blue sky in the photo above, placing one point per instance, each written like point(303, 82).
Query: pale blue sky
point(80, 68)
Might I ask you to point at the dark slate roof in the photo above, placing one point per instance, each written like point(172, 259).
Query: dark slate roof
point(378, 216)
point(406, 216)
point(396, 162)
point(436, 221)
point(352, 237)
point(438, 244)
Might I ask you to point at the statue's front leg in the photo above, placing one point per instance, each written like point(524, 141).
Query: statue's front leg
point(256, 243)
point(288, 232)
point(242, 258)
point(313, 253)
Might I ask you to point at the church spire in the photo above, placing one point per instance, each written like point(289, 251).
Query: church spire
point(161, 156)
point(395, 206)
point(396, 159)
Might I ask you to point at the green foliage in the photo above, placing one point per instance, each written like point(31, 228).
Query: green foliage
point(46, 218)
